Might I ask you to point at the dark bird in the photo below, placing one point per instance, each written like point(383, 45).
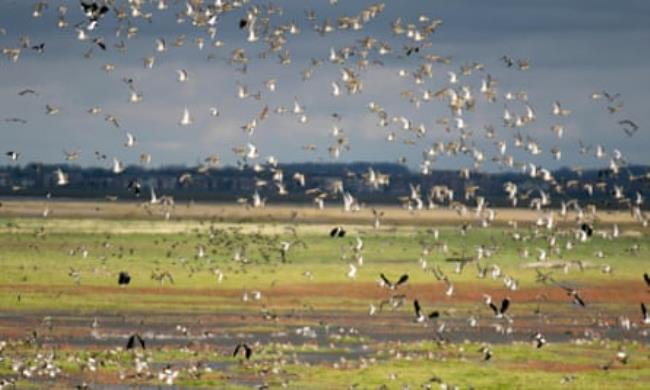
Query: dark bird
point(16, 120)
point(135, 187)
point(575, 295)
point(419, 316)
point(543, 278)
point(508, 61)
point(411, 49)
point(27, 92)
point(385, 282)
point(629, 127)
point(94, 11)
point(539, 340)
point(248, 351)
point(13, 156)
point(487, 353)
point(243, 23)
point(585, 227)
point(39, 48)
point(134, 341)
point(646, 315)
point(500, 311)
point(337, 232)
point(100, 43)
point(123, 278)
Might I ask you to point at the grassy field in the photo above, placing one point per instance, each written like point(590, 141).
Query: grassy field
point(305, 316)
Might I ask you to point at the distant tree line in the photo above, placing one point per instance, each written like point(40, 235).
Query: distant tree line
point(231, 183)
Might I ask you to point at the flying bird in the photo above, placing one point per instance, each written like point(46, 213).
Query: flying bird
point(248, 351)
point(499, 312)
point(337, 231)
point(134, 341)
point(421, 317)
point(645, 314)
point(392, 286)
point(186, 119)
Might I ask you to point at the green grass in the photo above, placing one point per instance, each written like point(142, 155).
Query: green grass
point(38, 255)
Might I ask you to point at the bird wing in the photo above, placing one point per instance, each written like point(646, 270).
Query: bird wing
point(504, 305)
point(333, 232)
point(131, 343)
point(644, 311)
point(249, 351)
point(140, 341)
point(402, 279)
point(385, 279)
point(647, 278)
point(236, 350)
point(579, 300)
point(494, 308)
point(418, 309)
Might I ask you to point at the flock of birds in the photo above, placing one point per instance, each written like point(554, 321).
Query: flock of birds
point(515, 145)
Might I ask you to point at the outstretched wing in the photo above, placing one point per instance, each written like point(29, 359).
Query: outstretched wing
point(402, 280)
point(249, 351)
point(385, 280)
point(494, 307)
point(237, 348)
point(504, 305)
point(646, 277)
point(644, 311)
point(131, 343)
point(140, 341)
point(418, 309)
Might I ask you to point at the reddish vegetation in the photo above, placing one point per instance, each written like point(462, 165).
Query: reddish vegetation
point(611, 292)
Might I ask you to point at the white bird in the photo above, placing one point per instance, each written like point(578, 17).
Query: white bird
point(61, 177)
point(352, 273)
point(130, 140)
point(252, 153)
point(186, 119)
point(336, 89)
point(52, 110)
point(160, 45)
point(182, 75)
point(559, 111)
point(153, 199)
point(118, 166)
point(135, 96)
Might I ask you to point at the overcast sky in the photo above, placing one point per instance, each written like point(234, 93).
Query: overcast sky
point(574, 48)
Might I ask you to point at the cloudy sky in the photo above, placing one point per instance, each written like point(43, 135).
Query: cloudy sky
point(574, 48)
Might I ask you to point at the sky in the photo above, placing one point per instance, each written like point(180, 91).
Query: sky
point(574, 49)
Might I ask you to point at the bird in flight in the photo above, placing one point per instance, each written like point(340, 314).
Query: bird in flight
point(248, 351)
point(134, 341)
point(421, 317)
point(337, 231)
point(499, 312)
point(645, 314)
point(385, 282)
